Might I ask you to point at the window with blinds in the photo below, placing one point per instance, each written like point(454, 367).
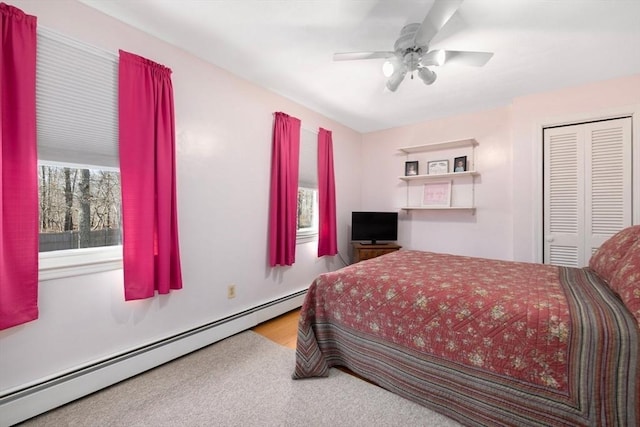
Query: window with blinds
point(77, 133)
point(307, 218)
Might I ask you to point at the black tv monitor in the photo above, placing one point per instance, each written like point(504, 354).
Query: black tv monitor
point(374, 226)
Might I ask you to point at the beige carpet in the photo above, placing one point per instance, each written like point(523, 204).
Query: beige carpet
point(244, 380)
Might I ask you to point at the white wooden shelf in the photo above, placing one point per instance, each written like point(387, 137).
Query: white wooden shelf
point(469, 142)
point(438, 176)
point(462, 183)
point(438, 208)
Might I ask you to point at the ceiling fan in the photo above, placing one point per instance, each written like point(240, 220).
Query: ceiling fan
point(411, 51)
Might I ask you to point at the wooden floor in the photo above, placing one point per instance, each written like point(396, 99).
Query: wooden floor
point(281, 330)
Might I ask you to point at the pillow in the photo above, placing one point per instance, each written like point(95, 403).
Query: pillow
point(606, 259)
point(626, 281)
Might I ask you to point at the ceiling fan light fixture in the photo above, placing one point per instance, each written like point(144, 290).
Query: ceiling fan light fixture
point(427, 76)
point(388, 68)
point(434, 58)
point(391, 65)
point(396, 78)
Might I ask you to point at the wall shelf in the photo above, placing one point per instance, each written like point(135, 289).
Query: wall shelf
point(438, 176)
point(436, 146)
point(438, 208)
point(462, 185)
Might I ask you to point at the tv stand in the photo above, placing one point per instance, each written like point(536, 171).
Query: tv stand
point(363, 251)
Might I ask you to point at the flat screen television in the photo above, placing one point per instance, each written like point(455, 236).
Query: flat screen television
point(374, 226)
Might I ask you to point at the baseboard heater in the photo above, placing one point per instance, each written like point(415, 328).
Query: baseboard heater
point(36, 399)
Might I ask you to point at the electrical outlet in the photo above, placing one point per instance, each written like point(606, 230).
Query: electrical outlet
point(231, 291)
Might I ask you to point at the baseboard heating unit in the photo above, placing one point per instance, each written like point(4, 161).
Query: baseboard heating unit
point(38, 398)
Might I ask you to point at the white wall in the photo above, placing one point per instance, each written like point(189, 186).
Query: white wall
point(485, 233)
point(508, 197)
point(224, 127)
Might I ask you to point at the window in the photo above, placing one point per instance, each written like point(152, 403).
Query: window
point(79, 207)
point(307, 219)
point(79, 182)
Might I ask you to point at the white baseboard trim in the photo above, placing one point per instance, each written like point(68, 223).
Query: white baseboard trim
point(37, 399)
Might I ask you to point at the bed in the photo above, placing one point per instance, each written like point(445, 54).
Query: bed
point(486, 342)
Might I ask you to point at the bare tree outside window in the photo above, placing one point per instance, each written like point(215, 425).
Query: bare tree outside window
point(307, 219)
point(79, 208)
point(305, 208)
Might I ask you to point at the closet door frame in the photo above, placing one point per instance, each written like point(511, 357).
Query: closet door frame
point(632, 111)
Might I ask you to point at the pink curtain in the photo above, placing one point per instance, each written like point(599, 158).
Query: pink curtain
point(18, 169)
point(151, 254)
point(327, 240)
point(283, 206)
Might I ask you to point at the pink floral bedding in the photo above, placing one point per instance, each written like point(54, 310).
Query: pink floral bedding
point(483, 341)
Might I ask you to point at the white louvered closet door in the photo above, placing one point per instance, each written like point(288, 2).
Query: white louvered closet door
point(587, 188)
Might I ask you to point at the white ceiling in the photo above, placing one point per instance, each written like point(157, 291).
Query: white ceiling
point(287, 45)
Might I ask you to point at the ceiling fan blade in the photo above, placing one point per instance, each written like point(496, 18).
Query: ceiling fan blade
point(440, 13)
point(474, 59)
point(349, 56)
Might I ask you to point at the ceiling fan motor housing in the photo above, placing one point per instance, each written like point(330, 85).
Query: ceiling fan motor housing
point(406, 49)
point(407, 38)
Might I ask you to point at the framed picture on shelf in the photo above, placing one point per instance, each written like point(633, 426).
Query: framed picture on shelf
point(460, 164)
point(436, 167)
point(437, 194)
point(411, 168)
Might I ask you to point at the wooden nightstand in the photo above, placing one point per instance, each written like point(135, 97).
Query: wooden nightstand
point(362, 251)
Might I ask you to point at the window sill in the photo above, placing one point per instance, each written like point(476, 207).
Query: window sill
point(78, 262)
point(306, 237)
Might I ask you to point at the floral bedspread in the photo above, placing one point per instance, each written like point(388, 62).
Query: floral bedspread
point(435, 326)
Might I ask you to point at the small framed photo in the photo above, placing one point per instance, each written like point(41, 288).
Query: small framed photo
point(411, 168)
point(436, 167)
point(437, 194)
point(460, 164)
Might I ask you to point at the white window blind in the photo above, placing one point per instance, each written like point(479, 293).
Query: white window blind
point(308, 187)
point(308, 168)
point(76, 102)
